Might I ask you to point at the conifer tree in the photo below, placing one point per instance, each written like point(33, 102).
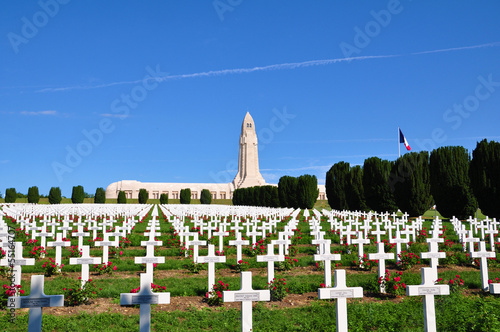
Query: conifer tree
point(410, 180)
point(205, 197)
point(33, 195)
point(378, 194)
point(55, 195)
point(100, 196)
point(450, 182)
point(143, 196)
point(485, 177)
point(122, 198)
point(337, 184)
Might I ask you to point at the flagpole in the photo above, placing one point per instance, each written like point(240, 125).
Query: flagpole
point(399, 144)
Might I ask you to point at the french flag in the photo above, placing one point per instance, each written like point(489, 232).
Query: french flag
point(403, 140)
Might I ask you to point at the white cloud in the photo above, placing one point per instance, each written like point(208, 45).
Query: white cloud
point(50, 112)
point(281, 66)
point(110, 115)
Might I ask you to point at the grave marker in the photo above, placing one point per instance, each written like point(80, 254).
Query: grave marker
point(246, 295)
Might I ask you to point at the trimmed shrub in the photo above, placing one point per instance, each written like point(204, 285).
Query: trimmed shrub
point(450, 182)
point(163, 199)
point(410, 181)
point(355, 191)
point(307, 191)
point(205, 197)
point(287, 192)
point(77, 195)
point(378, 194)
point(484, 174)
point(55, 195)
point(336, 184)
point(185, 196)
point(100, 196)
point(33, 195)
point(143, 196)
point(10, 195)
point(122, 198)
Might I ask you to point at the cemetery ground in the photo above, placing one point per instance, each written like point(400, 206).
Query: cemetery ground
point(467, 308)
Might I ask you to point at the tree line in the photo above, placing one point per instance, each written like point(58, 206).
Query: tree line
point(291, 192)
point(447, 177)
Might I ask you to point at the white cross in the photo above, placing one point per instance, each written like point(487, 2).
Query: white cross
point(471, 241)
point(105, 244)
point(428, 289)
point(58, 243)
point(211, 259)
point(246, 295)
point(149, 260)
point(17, 262)
point(145, 298)
point(84, 261)
point(80, 234)
point(327, 258)
point(381, 256)
point(340, 292)
point(35, 302)
point(221, 235)
point(195, 243)
point(270, 258)
point(398, 240)
point(483, 255)
point(360, 241)
point(238, 243)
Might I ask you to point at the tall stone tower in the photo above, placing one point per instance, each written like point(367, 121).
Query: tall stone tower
point(248, 159)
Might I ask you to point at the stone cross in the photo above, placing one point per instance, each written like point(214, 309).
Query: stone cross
point(149, 260)
point(195, 243)
point(434, 255)
point(483, 255)
point(340, 292)
point(254, 233)
point(381, 256)
point(105, 244)
point(270, 258)
point(377, 230)
point(360, 241)
point(80, 233)
point(281, 243)
point(35, 302)
point(58, 243)
point(471, 240)
point(238, 243)
point(84, 261)
point(43, 238)
point(65, 228)
point(145, 298)
point(491, 231)
point(246, 295)
point(17, 262)
point(221, 235)
point(398, 240)
point(211, 259)
point(428, 289)
point(327, 258)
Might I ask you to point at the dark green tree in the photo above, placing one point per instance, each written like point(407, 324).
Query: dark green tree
point(450, 182)
point(484, 174)
point(164, 199)
point(143, 196)
point(337, 184)
point(410, 181)
point(287, 192)
point(355, 192)
point(307, 191)
point(185, 196)
point(55, 195)
point(100, 196)
point(78, 195)
point(378, 194)
point(122, 198)
point(10, 195)
point(33, 195)
point(205, 197)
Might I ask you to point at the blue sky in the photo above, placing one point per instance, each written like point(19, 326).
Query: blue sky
point(93, 92)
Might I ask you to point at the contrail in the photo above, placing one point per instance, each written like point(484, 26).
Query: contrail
point(281, 66)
